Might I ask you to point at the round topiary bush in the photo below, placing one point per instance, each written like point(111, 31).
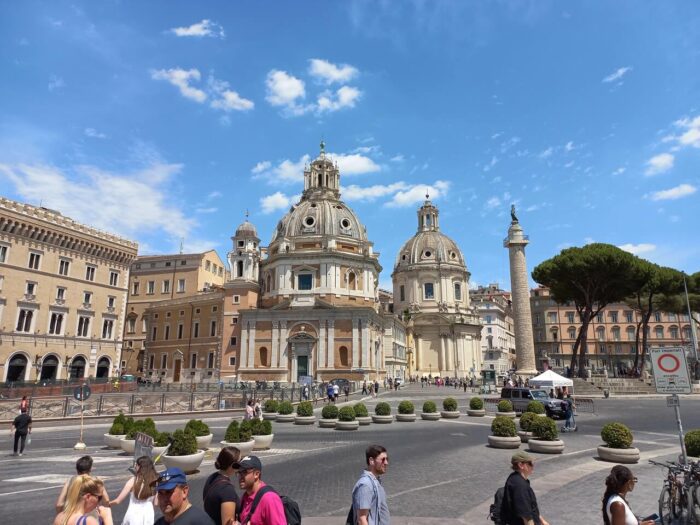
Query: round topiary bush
point(692, 442)
point(346, 413)
point(117, 429)
point(505, 406)
point(526, 421)
point(197, 427)
point(145, 426)
point(329, 412)
point(271, 405)
point(476, 403)
point(260, 428)
point(162, 439)
point(429, 407)
point(184, 443)
point(449, 404)
point(536, 407)
point(305, 409)
point(544, 428)
point(616, 435)
point(233, 432)
point(382, 409)
point(406, 407)
point(503, 427)
point(285, 408)
point(360, 410)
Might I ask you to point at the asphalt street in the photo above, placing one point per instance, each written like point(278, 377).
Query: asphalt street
point(439, 471)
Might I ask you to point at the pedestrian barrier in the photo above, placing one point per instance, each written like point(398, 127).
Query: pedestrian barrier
point(583, 404)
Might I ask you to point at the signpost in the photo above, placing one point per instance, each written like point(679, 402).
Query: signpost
point(81, 393)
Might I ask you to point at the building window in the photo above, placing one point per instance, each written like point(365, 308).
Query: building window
point(144, 325)
point(458, 291)
point(428, 291)
point(166, 335)
point(599, 318)
point(131, 325)
point(212, 329)
point(616, 333)
point(601, 333)
point(629, 316)
point(196, 330)
point(135, 288)
point(150, 287)
point(24, 321)
point(659, 332)
point(234, 320)
point(234, 341)
point(572, 333)
point(552, 317)
point(613, 317)
point(154, 333)
point(402, 293)
point(151, 362)
point(239, 268)
point(180, 285)
point(232, 361)
point(673, 332)
point(89, 273)
point(180, 330)
point(34, 260)
point(193, 361)
point(305, 281)
point(164, 361)
point(30, 289)
point(111, 301)
point(113, 278)
point(214, 309)
point(236, 299)
point(630, 333)
point(166, 286)
point(60, 294)
point(87, 299)
point(183, 263)
point(657, 317)
point(3, 253)
point(83, 326)
point(570, 317)
point(210, 360)
point(207, 266)
point(107, 326)
point(63, 266)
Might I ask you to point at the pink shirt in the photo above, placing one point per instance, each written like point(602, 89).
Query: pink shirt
point(268, 512)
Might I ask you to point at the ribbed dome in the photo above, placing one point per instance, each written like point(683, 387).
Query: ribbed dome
point(428, 248)
point(320, 217)
point(246, 229)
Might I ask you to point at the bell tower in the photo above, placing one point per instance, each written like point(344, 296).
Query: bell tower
point(244, 257)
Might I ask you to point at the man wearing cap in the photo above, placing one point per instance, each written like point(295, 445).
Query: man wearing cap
point(260, 505)
point(172, 494)
point(369, 505)
point(519, 505)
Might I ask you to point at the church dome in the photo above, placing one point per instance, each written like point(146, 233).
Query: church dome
point(325, 217)
point(246, 229)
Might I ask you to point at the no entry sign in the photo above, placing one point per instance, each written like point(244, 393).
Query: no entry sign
point(670, 370)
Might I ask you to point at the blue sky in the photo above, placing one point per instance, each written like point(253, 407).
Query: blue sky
point(167, 120)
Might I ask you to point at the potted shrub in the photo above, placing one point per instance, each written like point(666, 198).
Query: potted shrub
point(505, 408)
point(262, 434)
point(430, 412)
point(346, 419)
point(201, 432)
point(160, 443)
point(525, 423)
point(305, 414)
point(406, 412)
point(449, 408)
point(242, 439)
point(476, 407)
point(536, 407)
point(329, 416)
point(116, 432)
point(382, 413)
point(270, 409)
point(503, 433)
point(692, 443)
point(145, 426)
point(285, 412)
point(545, 437)
point(361, 414)
point(618, 444)
point(183, 452)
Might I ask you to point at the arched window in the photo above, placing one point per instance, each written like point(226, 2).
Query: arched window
point(686, 333)
point(344, 356)
point(102, 367)
point(49, 368)
point(17, 368)
point(77, 368)
point(428, 291)
point(262, 355)
point(630, 333)
point(600, 331)
point(352, 280)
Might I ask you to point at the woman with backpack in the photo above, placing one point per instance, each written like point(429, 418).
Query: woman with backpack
point(221, 500)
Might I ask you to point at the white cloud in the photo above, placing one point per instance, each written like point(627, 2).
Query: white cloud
point(93, 133)
point(345, 97)
point(200, 29)
point(277, 201)
point(569, 146)
point(207, 210)
point(56, 82)
point(617, 74)
point(682, 190)
point(505, 146)
point(691, 135)
point(546, 153)
point(261, 166)
point(491, 164)
point(397, 158)
point(416, 194)
point(214, 195)
point(659, 164)
point(355, 164)
point(181, 79)
point(638, 249)
point(619, 171)
point(285, 172)
point(493, 202)
point(371, 193)
point(230, 100)
point(285, 90)
point(329, 73)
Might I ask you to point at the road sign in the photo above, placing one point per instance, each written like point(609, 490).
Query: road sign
point(82, 392)
point(673, 401)
point(670, 371)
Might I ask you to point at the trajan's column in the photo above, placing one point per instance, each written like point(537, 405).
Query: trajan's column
point(524, 342)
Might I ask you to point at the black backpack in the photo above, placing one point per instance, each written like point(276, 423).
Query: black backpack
point(291, 508)
point(495, 508)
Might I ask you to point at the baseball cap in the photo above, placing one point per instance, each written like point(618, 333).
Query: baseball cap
point(171, 478)
point(521, 457)
point(248, 462)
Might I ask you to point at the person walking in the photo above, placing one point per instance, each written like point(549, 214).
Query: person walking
point(82, 466)
point(220, 498)
point(616, 510)
point(249, 409)
point(24, 404)
point(336, 392)
point(257, 410)
point(346, 391)
point(376, 388)
point(260, 505)
point(141, 492)
point(364, 389)
point(369, 504)
point(173, 500)
point(519, 505)
point(82, 503)
point(21, 427)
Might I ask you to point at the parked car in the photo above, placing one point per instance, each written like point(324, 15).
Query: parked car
point(521, 396)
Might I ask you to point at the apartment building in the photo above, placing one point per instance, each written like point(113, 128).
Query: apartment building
point(493, 305)
point(63, 292)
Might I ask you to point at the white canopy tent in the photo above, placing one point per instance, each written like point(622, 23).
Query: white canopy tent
point(550, 379)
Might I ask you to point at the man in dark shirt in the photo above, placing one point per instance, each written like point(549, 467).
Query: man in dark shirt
point(519, 505)
point(21, 426)
point(173, 492)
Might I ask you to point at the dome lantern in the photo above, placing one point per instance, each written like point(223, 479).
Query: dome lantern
point(322, 177)
point(428, 216)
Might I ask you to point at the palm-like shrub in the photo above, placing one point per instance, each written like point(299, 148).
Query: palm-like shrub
point(536, 407)
point(329, 412)
point(505, 406)
point(271, 405)
point(346, 413)
point(429, 407)
point(198, 427)
point(449, 404)
point(616, 435)
point(184, 444)
point(305, 409)
point(406, 407)
point(544, 428)
point(382, 409)
point(503, 427)
point(476, 403)
point(285, 408)
point(360, 410)
point(526, 421)
point(692, 442)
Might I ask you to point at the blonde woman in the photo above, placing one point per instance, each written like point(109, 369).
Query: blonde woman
point(83, 497)
point(141, 493)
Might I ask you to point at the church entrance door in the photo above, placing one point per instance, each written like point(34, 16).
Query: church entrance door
point(302, 366)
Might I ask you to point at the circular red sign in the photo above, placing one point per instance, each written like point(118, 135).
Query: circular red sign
point(672, 368)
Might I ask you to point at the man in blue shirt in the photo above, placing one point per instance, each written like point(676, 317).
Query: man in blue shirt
point(369, 505)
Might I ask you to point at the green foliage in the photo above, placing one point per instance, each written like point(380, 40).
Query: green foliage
point(260, 428)
point(285, 408)
point(161, 439)
point(429, 407)
point(360, 410)
point(184, 444)
point(329, 412)
point(347, 413)
point(505, 406)
point(449, 404)
point(406, 407)
point(692, 442)
point(197, 427)
point(503, 427)
point(616, 435)
point(145, 426)
point(536, 407)
point(117, 429)
point(544, 428)
point(305, 409)
point(476, 403)
point(120, 418)
point(128, 424)
point(246, 429)
point(233, 432)
point(271, 405)
point(526, 420)
point(382, 409)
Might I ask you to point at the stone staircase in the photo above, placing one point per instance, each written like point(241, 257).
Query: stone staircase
point(585, 389)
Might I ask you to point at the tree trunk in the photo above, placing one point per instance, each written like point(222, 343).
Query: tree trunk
point(636, 345)
point(583, 338)
point(645, 327)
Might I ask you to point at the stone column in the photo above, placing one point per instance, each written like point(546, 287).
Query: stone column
point(355, 345)
point(331, 344)
point(293, 377)
point(321, 346)
point(243, 363)
point(275, 345)
point(441, 360)
point(365, 346)
point(450, 355)
point(419, 354)
point(251, 347)
point(283, 363)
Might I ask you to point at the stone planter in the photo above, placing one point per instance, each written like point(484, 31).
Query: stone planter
point(304, 420)
point(506, 414)
point(618, 455)
point(270, 416)
point(347, 425)
point(188, 463)
point(364, 420)
point(406, 418)
point(504, 442)
point(327, 423)
point(285, 418)
point(128, 445)
point(546, 447)
point(114, 440)
point(382, 420)
point(203, 442)
point(450, 414)
point(246, 447)
point(430, 416)
point(262, 442)
point(476, 413)
point(524, 436)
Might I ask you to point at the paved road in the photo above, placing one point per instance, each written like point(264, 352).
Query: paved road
point(439, 471)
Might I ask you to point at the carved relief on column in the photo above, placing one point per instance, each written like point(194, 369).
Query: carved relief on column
point(275, 345)
point(331, 343)
point(355, 344)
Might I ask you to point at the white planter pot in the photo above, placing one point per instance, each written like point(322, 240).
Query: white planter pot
point(285, 418)
point(262, 442)
point(504, 442)
point(450, 414)
point(114, 440)
point(304, 420)
point(270, 416)
point(347, 425)
point(405, 418)
point(430, 416)
point(364, 420)
point(327, 423)
point(128, 445)
point(382, 419)
point(188, 464)
point(476, 413)
point(157, 451)
point(245, 447)
point(203, 442)
point(506, 414)
point(618, 455)
point(546, 447)
point(524, 436)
